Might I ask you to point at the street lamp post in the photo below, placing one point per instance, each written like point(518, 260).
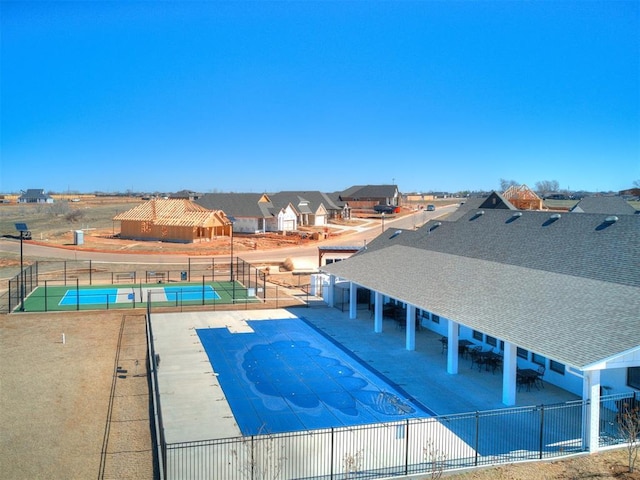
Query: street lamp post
point(382, 222)
point(22, 228)
point(233, 284)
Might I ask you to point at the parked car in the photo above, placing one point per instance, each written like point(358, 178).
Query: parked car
point(431, 208)
point(384, 208)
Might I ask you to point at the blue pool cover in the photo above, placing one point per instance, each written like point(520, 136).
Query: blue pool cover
point(287, 376)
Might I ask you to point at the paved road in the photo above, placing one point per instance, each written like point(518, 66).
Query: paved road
point(306, 254)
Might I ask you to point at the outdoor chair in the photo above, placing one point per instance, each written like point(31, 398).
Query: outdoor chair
point(445, 344)
point(538, 380)
point(476, 358)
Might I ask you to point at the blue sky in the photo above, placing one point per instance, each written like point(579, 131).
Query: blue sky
point(269, 96)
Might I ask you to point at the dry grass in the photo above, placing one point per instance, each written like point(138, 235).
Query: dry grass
point(55, 397)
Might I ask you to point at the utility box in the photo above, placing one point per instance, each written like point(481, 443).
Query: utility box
point(78, 237)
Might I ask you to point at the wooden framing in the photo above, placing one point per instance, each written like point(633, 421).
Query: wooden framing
point(173, 220)
point(523, 198)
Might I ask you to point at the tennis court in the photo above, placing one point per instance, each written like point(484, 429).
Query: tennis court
point(52, 297)
point(101, 296)
point(284, 375)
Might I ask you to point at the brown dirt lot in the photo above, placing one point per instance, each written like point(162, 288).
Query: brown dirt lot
point(60, 420)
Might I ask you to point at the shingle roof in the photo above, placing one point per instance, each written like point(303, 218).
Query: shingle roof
point(34, 193)
point(568, 288)
point(605, 205)
point(247, 205)
point(303, 201)
point(364, 192)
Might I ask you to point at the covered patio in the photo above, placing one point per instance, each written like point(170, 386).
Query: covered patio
point(422, 372)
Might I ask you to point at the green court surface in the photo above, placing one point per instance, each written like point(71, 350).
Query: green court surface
point(122, 296)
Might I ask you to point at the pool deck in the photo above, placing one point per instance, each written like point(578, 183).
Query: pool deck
point(194, 406)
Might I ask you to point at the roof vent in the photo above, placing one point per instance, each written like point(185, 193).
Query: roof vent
point(610, 220)
point(553, 218)
point(434, 226)
point(478, 214)
point(514, 217)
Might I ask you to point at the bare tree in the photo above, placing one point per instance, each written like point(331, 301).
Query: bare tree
point(636, 183)
point(629, 427)
point(435, 458)
point(545, 187)
point(505, 184)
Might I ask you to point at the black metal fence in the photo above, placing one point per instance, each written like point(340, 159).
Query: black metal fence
point(415, 446)
point(427, 446)
point(239, 281)
point(21, 286)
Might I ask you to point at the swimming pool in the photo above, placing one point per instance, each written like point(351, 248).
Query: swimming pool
point(287, 376)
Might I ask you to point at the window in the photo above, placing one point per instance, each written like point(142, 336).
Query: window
point(633, 377)
point(556, 366)
point(491, 341)
point(539, 359)
point(522, 353)
point(435, 318)
point(477, 335)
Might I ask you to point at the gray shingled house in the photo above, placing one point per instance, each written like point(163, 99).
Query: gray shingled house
point(313, 208)
point(367, 196)
point(550, 290)
point(35, 195)
point(252, 212)
point(612, 205)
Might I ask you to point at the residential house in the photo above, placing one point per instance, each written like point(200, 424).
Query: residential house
point(523, 198)
point(613, 205)
point(365, 197)
point(551, 290)
point(174, 220)
point(35, 195)
point(313, 208)
point(252, 212)
point(185, 194)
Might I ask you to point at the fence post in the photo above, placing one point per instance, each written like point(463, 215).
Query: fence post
point(90, 274)
point(65, 272)
point(331, 454)
point(45, 296)
point(77, 292)
point(477, 440)
point(252, 458)
point(541, 430)
point(406, 448)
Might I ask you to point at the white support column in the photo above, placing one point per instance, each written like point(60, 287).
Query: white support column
point(509, 370)
point(411, 327)
point(452, 347)
point(353, 300)
point(377, 322)
point(591, 415)
point(330, 291)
